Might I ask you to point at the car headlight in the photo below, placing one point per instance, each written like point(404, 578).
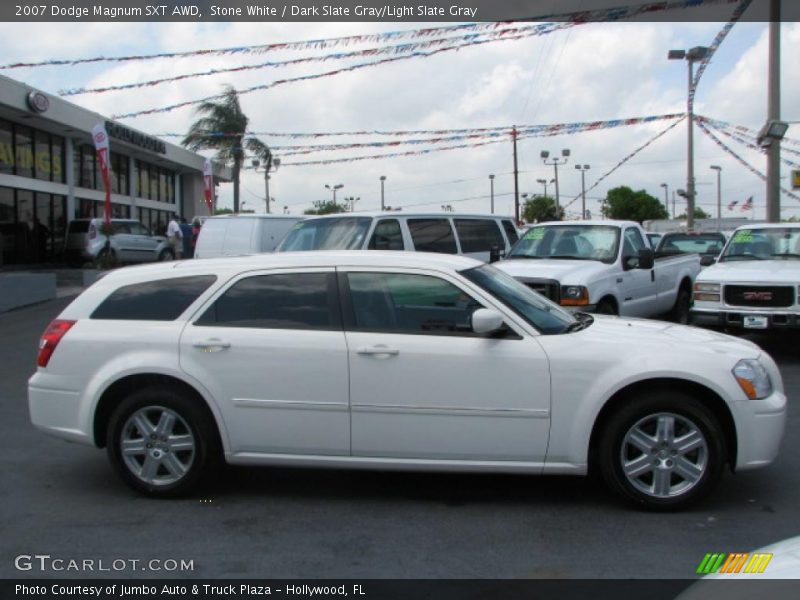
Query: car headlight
point(707, 292)
point(574, 295)
point(752, 378)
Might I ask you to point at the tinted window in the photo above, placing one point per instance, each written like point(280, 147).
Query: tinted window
point(163, 300)
point(511, 232)
point(340, 233)
point(404, 303)
point(633, 242)
point(387, 236)
point(283, 301)
point(432, 235)
point(479, 235)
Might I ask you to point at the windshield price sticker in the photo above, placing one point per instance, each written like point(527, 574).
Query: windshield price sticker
point(537, 233)
point(743, 236)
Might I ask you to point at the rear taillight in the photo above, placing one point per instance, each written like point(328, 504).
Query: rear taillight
point(92, 231)
point(50, 338)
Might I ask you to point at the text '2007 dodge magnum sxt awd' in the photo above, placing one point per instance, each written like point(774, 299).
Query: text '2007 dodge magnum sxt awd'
point(394, 360)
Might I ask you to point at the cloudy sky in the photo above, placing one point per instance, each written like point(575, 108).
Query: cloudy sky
point(596, 71)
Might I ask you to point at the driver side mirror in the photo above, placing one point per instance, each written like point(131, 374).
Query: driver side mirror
point(706, 260)
point(646, 258)
point(495, 254)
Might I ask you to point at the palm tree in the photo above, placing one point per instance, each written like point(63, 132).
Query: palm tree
point(222, 127)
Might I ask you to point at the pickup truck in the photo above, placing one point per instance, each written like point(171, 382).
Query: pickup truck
point(606, 267)
point(754, 284)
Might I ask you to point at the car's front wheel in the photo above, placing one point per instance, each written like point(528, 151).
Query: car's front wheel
point(664, 451)
point(161, 442)
point(166, 254)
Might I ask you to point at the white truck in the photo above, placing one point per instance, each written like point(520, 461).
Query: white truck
point(754, 284)
point(605, 267)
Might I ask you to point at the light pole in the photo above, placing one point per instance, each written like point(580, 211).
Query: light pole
point(352, 202)
point(338, 186)
point(491, 191)
point(544, 182)
point(270, 166)
point(583, 169)
point(555, 161)
point(666, 199)
point(692, 55)
point(383, 179)
point(718, 169)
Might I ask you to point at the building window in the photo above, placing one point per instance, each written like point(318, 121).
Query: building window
point(42, 156)
point(57, 160)
point(6, 147)
point(23, 142)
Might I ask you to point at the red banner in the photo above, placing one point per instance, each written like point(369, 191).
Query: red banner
point(101, 146)
point(208, 185)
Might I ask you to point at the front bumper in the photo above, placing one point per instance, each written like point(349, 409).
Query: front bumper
point(760, 425)
point(734, 319)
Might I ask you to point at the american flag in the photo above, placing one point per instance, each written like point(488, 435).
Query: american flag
point(748, 204)
point(732, 204)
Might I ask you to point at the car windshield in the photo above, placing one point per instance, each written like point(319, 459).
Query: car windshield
point(342, 233)
point(580, 242)
point(773, 243)
point(710, 243)
point(546, 316)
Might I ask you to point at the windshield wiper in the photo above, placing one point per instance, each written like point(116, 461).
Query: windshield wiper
point(523, 256)
point(741, 257)
point(569, 257)
point(791, 254)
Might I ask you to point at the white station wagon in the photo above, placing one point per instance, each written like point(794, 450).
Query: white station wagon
point(394, 360)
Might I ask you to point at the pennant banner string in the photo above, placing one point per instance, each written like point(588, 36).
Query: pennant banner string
point(741, 129)
point(755, 147)
point(610, 14)
point(624, 160)
point(747, 165)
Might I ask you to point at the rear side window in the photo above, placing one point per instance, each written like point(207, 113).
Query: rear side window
point(479, 235)
point(432, 235)
point(387, 236)
point(511, 232)
point(281, 301)
point(163, 300)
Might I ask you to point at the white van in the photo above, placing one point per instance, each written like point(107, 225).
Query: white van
point(235, 235)
point(448, 233)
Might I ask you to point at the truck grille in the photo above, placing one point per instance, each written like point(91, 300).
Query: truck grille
point(759, 295)
point(546, 287)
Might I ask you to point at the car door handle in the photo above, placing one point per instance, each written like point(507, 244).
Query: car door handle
point(212, 345)
point(379, 350)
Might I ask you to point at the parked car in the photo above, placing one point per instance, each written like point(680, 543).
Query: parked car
point(754, 284)
point(605, 267)
point(235, 235)
point(471, 235)
point(394, 360)
point(707, 244)
point(130, 242)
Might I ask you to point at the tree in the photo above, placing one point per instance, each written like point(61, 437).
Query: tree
point(699, 213)
point(222, 127)
point(623, 203)
point(541, 209)
point(326, 207)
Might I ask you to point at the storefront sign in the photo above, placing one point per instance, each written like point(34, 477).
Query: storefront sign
point(130, 136)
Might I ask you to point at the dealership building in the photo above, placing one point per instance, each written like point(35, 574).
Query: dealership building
point(49, 174)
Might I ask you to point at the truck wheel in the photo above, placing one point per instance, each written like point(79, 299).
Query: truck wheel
point(161, 443)
point(683, 303)
point(606, 307)
point(664, 451)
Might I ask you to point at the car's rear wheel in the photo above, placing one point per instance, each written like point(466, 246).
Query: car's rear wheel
point(664, 451)
point(161, 442)
point(606, 307)
point(166, 254)
point(683, 304)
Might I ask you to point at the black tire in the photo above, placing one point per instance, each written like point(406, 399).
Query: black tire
point(626, 440)
point(606, 307)
point(166, 254)
point(683, 304)
point(179, 449)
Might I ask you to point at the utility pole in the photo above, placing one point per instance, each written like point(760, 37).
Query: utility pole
point(516, 177)
point(491, 184)
point(774, 113)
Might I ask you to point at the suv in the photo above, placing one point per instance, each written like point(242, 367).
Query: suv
point(476, 236)
point(395, 360)
point(130, 242)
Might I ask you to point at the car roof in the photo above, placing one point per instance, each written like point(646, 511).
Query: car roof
point(607, 223)
point(312, 259)
point(251, 216)
point(398, 214)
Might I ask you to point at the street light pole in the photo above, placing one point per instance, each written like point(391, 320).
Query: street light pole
point(544, 182)
point(270, 166)
point(383, 179)
point(334, 188)
point(718, 169)
point(693, 54)
point(555, 162)
point(666, 198)
point(491, 185)
point(583, 170)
